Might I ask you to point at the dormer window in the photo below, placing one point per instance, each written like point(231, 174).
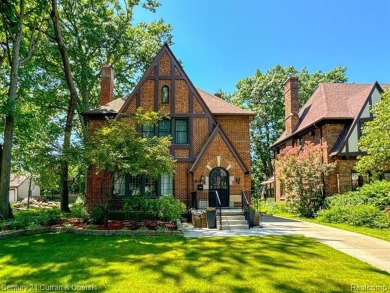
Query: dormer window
point(165, 94)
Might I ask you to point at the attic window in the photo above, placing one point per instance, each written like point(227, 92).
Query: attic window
point(165, 94)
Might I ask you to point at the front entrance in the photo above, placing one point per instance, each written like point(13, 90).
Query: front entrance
point(219, 181)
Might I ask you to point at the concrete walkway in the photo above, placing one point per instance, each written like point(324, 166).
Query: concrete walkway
point(371, 250)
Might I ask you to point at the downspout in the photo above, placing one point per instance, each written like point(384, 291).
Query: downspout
point(322, 161)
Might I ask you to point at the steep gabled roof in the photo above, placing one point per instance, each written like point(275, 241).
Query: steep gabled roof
point(218, 130)
point(331, 101)
point(211, 103)
point(218, 106)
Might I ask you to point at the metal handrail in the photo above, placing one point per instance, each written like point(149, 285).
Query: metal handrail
point(244, 197)
point(247, 204)
point(220, 208)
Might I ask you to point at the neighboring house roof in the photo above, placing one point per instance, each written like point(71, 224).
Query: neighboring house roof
point(331, 101)
point(111, 108)
point(216, 105)
point(16, 180)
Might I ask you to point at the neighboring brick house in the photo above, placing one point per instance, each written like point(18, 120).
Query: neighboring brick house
point(210, 137)
point(334, 115)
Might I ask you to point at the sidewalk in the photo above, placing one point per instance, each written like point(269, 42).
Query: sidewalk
point(365, 248)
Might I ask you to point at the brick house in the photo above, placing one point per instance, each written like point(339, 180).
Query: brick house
point(210, 137)
point(334, 115)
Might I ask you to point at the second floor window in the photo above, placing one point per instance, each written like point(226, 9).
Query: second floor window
point(164, 128)
point(181, 131)
point(147, 131)
point(165, 94)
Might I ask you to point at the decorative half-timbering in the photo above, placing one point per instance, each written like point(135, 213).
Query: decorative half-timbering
point(334, 116)
point(210, 137)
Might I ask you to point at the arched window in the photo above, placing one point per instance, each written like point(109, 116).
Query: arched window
point(165, 94)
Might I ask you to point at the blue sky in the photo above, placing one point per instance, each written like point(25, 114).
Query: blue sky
point(223, 41)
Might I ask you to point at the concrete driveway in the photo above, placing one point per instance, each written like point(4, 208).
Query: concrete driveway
point(365, 248)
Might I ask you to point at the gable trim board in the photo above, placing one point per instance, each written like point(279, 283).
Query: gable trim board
point(147, 75)
point(213, 135)
point(357, 118)
point(324, 111)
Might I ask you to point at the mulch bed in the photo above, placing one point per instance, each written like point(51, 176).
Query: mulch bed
point(117, 225)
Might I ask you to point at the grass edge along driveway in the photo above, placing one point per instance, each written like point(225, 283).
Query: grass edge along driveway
point(177, 264)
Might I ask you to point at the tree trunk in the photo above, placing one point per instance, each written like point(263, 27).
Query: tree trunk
point(29, 192)
point(71, 108)
point(5, 171)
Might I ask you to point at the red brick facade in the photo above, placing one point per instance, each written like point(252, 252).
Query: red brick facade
point(214, 140)
point(332, 117)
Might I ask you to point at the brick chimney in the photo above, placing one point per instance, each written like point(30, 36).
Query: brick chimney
point(106, 84)
point(291, 104)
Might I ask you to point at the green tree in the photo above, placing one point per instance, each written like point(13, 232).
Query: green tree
point(264, 94)
point(301, 170)
point(93, 32)
point(376, 140)
point(20, 21)
point(117, 147)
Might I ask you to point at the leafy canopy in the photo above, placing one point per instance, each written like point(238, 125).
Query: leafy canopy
point(264, 94)
point(376, 139)
point(118, 147)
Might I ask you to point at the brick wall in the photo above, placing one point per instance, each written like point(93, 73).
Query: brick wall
point(339, 180)
point(98, 187)
point(181, 179)
point(182, 97)
point(219, 155)
point(237, 131)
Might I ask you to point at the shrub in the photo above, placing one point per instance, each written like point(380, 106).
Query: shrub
point(98, 215)
point(369, 216)
point(272, 207)
point(333, 215)
point(77, 211)
point(31, 218)
point(164, 208)
point(361, 215)
point(377, 193)
point(170, 208)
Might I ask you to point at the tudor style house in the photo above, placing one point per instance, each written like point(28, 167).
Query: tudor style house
point(334, 115)
point(210, 137)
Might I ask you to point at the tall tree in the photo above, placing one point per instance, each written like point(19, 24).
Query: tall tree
point(376, 140)
point(19, 23)
point(93, 32)
point(71, 107)
point(264, 94)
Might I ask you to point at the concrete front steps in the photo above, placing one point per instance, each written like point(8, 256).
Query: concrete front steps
point(232, 220)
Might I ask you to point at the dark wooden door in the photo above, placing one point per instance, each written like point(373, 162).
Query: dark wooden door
point(219, 181)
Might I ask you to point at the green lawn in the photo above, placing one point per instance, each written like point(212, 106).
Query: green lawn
point(175, 264)
point(383, 234)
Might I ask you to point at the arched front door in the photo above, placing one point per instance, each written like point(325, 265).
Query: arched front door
point(219, 181)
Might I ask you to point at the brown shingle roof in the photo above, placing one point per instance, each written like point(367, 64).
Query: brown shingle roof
point(331, 101)
point(218, 106)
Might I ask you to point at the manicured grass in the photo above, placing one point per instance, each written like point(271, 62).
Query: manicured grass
point(383, 234)
point(175, 264)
